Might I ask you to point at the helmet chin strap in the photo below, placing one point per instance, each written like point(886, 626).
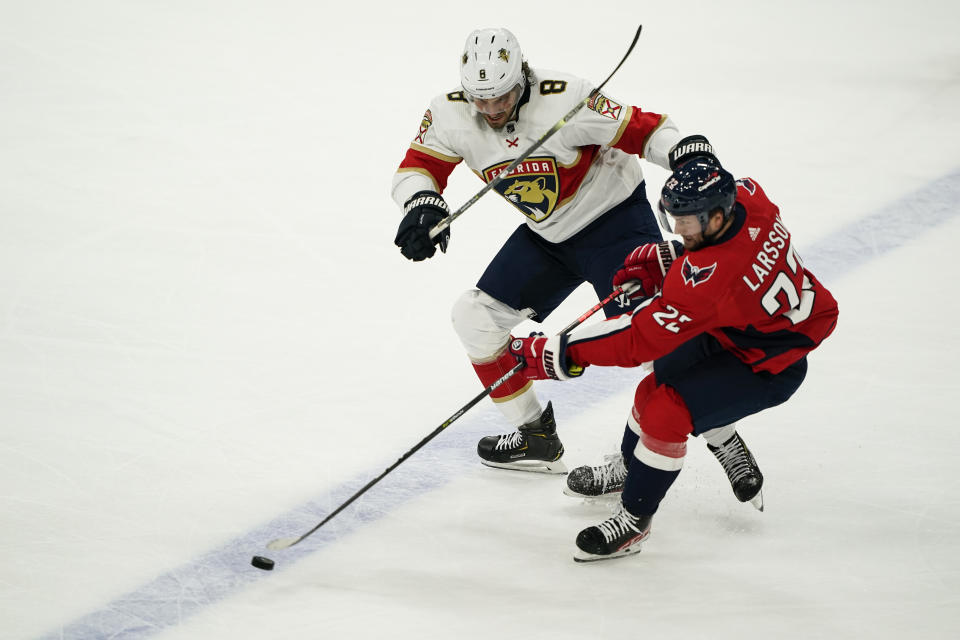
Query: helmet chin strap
point(515, 114)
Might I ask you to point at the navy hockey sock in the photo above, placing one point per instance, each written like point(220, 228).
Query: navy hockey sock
point(645, 487)
point(629, 443)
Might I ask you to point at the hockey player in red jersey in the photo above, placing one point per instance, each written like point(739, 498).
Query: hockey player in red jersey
point(582, 194)
point(728, 328)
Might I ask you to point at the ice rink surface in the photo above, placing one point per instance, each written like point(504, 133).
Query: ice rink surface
point(208, 339)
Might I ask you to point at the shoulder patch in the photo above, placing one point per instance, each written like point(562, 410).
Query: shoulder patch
point(605, 106)
point(456, 96)
point(694, 275)
point(424, 125)
point(747, 184)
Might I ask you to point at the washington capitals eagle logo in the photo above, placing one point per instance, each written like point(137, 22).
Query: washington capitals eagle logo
point(694, 275)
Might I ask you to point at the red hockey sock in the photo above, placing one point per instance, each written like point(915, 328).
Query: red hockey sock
point(490, 372)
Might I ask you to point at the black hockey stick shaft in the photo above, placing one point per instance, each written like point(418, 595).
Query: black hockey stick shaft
point(446, 222)
point(283, 543)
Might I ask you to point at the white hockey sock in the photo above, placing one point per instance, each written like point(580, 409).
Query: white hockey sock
point(521, 408)
point(718, 436)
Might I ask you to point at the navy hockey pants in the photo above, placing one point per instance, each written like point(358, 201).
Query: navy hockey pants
point(718, 388)
point(530, 272)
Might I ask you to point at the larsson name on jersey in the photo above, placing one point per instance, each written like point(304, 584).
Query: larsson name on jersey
point(765, 261)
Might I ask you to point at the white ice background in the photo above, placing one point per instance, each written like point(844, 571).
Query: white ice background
point(208, 339)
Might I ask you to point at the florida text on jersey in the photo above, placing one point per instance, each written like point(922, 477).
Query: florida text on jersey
point(589, 166)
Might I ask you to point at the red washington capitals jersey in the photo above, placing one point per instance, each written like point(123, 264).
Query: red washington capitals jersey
point(750, 291)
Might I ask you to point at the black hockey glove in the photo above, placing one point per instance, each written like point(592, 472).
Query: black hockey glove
point(420, 214)
point(691, 147)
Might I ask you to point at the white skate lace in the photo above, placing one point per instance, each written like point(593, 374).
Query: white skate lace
point(510, 440)
point(619, 524)
point(612, 472)
point(734, 459)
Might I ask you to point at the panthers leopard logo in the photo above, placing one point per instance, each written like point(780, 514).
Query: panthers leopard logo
point(533, 186)
point(531, 192)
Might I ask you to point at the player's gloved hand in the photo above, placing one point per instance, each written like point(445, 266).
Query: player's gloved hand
point(420, 214)
point(647, 265)
point(545, 358)
point(691, 147)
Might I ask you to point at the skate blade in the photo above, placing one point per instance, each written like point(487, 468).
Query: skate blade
point(603, 496)
point(582, 556)
point(533, 466)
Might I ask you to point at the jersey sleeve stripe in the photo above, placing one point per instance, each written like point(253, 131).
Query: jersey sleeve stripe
point(636, 130)
point(423, 172)
point(435, 154)
point(623, 127)
point(435, 166)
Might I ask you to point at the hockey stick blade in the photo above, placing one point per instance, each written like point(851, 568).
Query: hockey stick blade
point(446, 222)
point(282, 543)
point(285, 543)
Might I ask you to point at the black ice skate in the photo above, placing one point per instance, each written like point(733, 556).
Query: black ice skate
point(620, 535)
point(742, 470)
point(594, 482)
point(533, 447)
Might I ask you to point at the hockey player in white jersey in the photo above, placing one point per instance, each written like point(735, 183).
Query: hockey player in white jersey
point(582, 194)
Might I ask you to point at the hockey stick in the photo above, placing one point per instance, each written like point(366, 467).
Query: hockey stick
point(446, 222)
point(283, 543)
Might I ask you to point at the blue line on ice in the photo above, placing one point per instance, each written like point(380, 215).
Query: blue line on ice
point(889, 228)
point(173, 597)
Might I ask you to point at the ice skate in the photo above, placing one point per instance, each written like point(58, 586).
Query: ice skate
point(620, 535)
point(595, 482)
point(535, 447)
point(742, 470)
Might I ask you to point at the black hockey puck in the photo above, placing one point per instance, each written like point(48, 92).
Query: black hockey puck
point(262, 563)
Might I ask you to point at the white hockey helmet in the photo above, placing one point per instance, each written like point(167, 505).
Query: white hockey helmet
point(491, 64)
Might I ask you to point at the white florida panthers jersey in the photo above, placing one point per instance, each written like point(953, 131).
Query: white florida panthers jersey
point(587, 167)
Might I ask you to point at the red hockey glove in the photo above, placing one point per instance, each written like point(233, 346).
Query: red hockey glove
point(545, 358)
point(647, 264)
